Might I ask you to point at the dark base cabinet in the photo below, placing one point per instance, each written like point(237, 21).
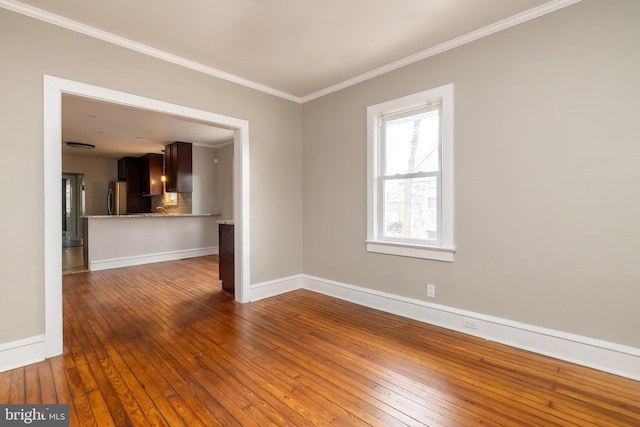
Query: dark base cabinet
point(226, 247)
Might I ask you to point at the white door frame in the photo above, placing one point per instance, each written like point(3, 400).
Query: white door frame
point(54, 88)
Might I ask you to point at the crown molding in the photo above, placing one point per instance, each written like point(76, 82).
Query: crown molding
point(87, 30)
point(512, 21)
point(72, 25)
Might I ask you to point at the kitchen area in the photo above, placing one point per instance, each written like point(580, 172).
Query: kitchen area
point(167, 203)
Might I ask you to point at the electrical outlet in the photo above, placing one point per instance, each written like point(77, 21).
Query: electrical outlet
point(469, 323)
point(431, 291)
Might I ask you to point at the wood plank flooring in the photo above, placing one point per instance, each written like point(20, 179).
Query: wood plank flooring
point(162, 345)
point(73, 260)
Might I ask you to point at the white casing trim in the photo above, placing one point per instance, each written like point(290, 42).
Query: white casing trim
point(105, 264)
point(22, 352)
point(593, 353)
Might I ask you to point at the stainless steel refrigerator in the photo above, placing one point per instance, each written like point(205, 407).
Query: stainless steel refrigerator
point(117, 198)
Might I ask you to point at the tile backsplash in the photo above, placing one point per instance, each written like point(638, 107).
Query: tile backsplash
point(182, 207)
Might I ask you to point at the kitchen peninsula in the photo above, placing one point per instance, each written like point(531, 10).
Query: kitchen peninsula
point(113, 241)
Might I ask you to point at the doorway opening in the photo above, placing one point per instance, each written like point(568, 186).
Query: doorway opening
point(54, 88)
point(72, 200)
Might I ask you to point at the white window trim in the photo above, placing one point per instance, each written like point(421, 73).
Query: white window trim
point(446, 251)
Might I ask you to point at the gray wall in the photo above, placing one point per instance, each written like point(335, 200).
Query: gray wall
point(204, 182)
point(224, 181)
point(547, 149)
point(30, 49)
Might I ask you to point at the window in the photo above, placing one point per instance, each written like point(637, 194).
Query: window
point(410, 175)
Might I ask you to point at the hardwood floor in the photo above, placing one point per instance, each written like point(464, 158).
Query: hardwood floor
point(161, 344)
point(73, 260)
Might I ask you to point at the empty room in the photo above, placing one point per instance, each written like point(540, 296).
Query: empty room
point(336, 213)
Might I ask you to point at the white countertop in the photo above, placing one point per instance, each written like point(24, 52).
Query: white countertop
point(146, 215)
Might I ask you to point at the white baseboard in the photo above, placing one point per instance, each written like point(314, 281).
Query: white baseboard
point(105, 264)
point(22, 352)
point(602, 355)
point(276, 287)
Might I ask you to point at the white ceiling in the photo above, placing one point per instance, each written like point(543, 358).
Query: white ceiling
point(118, 131)
point(296, 49)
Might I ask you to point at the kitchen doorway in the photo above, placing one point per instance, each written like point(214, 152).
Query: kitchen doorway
point(54, 88)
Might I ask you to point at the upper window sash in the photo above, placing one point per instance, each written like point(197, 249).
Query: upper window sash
point(399, 117)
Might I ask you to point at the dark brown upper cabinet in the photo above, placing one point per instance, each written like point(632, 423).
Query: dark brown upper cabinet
point(124, 166)
point(179, 167)
point(151, 174)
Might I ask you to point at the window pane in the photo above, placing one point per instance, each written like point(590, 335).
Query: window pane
point(410, 208)
point(412, 143)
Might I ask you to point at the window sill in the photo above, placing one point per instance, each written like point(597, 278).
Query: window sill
point(435, 253)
